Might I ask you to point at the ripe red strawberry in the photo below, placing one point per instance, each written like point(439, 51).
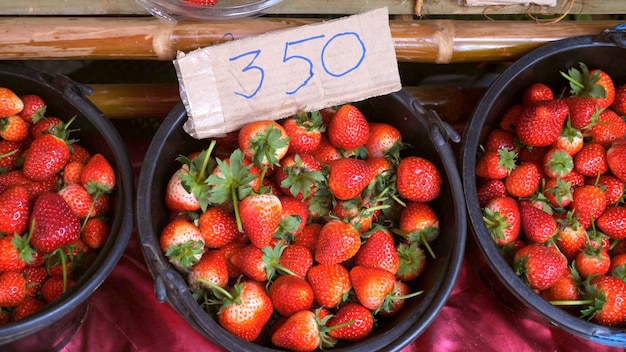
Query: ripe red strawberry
point(612, 222)
point(72, 172)
point(10, 103)
point(564, 289)
point(46, 156)
point(54, 287)
point(210, 270)
point(12, 288)
point(80, 154)
point(35, 274)
point(218, 227)
point(299, 175)
point(536, 92)
point(182, 243)
point(13, 128)
point(539, 266)
point(524, 180)
point(15, 253)
point(557, 163)
point(348, 129)
point(10, 153)
point(571, 140)
point(588, 203)
point(371, 285)
point(260, 216)
point(509, 119)
point(412, 261)
point(495, 165)
point(177, 198)
point(34, 108)
point(613, 187)
point(419, 223)
point(570, 237)
point(348, 177)
point(583, 112)
point(55, 225)
point(359, 321)
point(294, 217)
point(326, 152)
point(384, 140)
point(246, 311)
point(609, 128)
point(308, 236)
point(489, 190)
point(28, 307)
point(305, 131)
point(396, 300)
point(291, 294)
point(79, 200)
point(250, 262)
point(502, 219)
point(14, 210)
point(303, 331)
point(98, 175)
point(95, 232)
point(500, 139)
point(418, 179)
point(592, 262)
point(558, 192)
point(595, 84)
point(540, 124)
point(609, 301)
point(616, 158)
point(538, 226)
point(263, 142)
point(296, 258)
point(619, 104)
point(331, 284)
point(337, 242)
point(379, 251)
point(229, 250)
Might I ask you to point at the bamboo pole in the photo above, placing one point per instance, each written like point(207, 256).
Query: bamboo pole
point(427, 41)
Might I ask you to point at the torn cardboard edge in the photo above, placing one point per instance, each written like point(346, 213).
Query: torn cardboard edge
point(208, 80)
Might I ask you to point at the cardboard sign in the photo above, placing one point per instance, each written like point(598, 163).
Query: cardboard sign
point(278, 74)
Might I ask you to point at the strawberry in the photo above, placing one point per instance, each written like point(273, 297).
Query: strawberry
point(612, 186)
point(500, 139)
point(299, 175)
point(558, 192)
point(619, 104)
point(291, 294)
point(54, 287)
point(538, 226)
point(531, 154)
point(260, 216)
point(384, 141)
point(371, 285)
point(539, 266)
point(26, 308)
point(229, 250)
point(211, 268)
point(263, 142)
point(348, 129)
point(296, 258)
point(34, 108)
point(379, 251)
point(304, 131)
point(326, 152)
point(308, 236)
point(182, 242)
point(250, 262)
point(610, 126)
point(348, 177)
point(302, 331)
point(592, 262)
point(72, 172)
point(330, 283)
point(80, 154)
point(564, 289)
point(10, 152)
point(418, 223)
point(218, 227)
point(595, 84)
point(524, 180)
point(177, 198)
point(616, 158)
point(509, 119)
point(418, 179)
point(14, 210)
point(48, 154)
point(612, 222)
point(540, 124)
point(495, 165)
point(570, 237)
point(557, 163)
point(98, 176)
point(337, 242)
point(245, 310)
point(79, 200)
point(10, 103)
point(536, 92)
point(608, 294)
point(352, 322)
point(588, 203)
point(35, 274)
point(502, 219)
point(294, 217)
point(47, 125)
point(489, 190)
point(95, 232)
point(618, 265)
point(55, 225)
point(12, 288)
point(583, 112)
point(15, 253)
point(412, 261)
point(13, 128)
point(571, 139)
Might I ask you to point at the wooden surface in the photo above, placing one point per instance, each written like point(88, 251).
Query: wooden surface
point(299, 7)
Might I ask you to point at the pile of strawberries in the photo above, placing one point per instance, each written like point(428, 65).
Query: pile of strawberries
point(301, 233)
point(551, 187)
point(54, 198)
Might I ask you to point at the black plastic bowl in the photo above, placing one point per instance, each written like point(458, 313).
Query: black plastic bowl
point(53, 327)
point(608, 52)
point(422, 129)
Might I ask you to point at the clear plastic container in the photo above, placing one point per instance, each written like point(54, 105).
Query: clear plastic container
point(174, 10)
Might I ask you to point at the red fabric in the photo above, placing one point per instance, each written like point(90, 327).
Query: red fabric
point(124, 315)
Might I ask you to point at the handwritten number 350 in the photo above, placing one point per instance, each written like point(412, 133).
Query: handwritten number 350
point(254, 54)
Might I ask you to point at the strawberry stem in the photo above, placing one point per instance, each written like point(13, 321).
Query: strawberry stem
point(207, 158)
point(581, 302)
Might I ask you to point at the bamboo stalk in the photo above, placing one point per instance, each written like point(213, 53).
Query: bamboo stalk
point(438, 41)
point(155, 100)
